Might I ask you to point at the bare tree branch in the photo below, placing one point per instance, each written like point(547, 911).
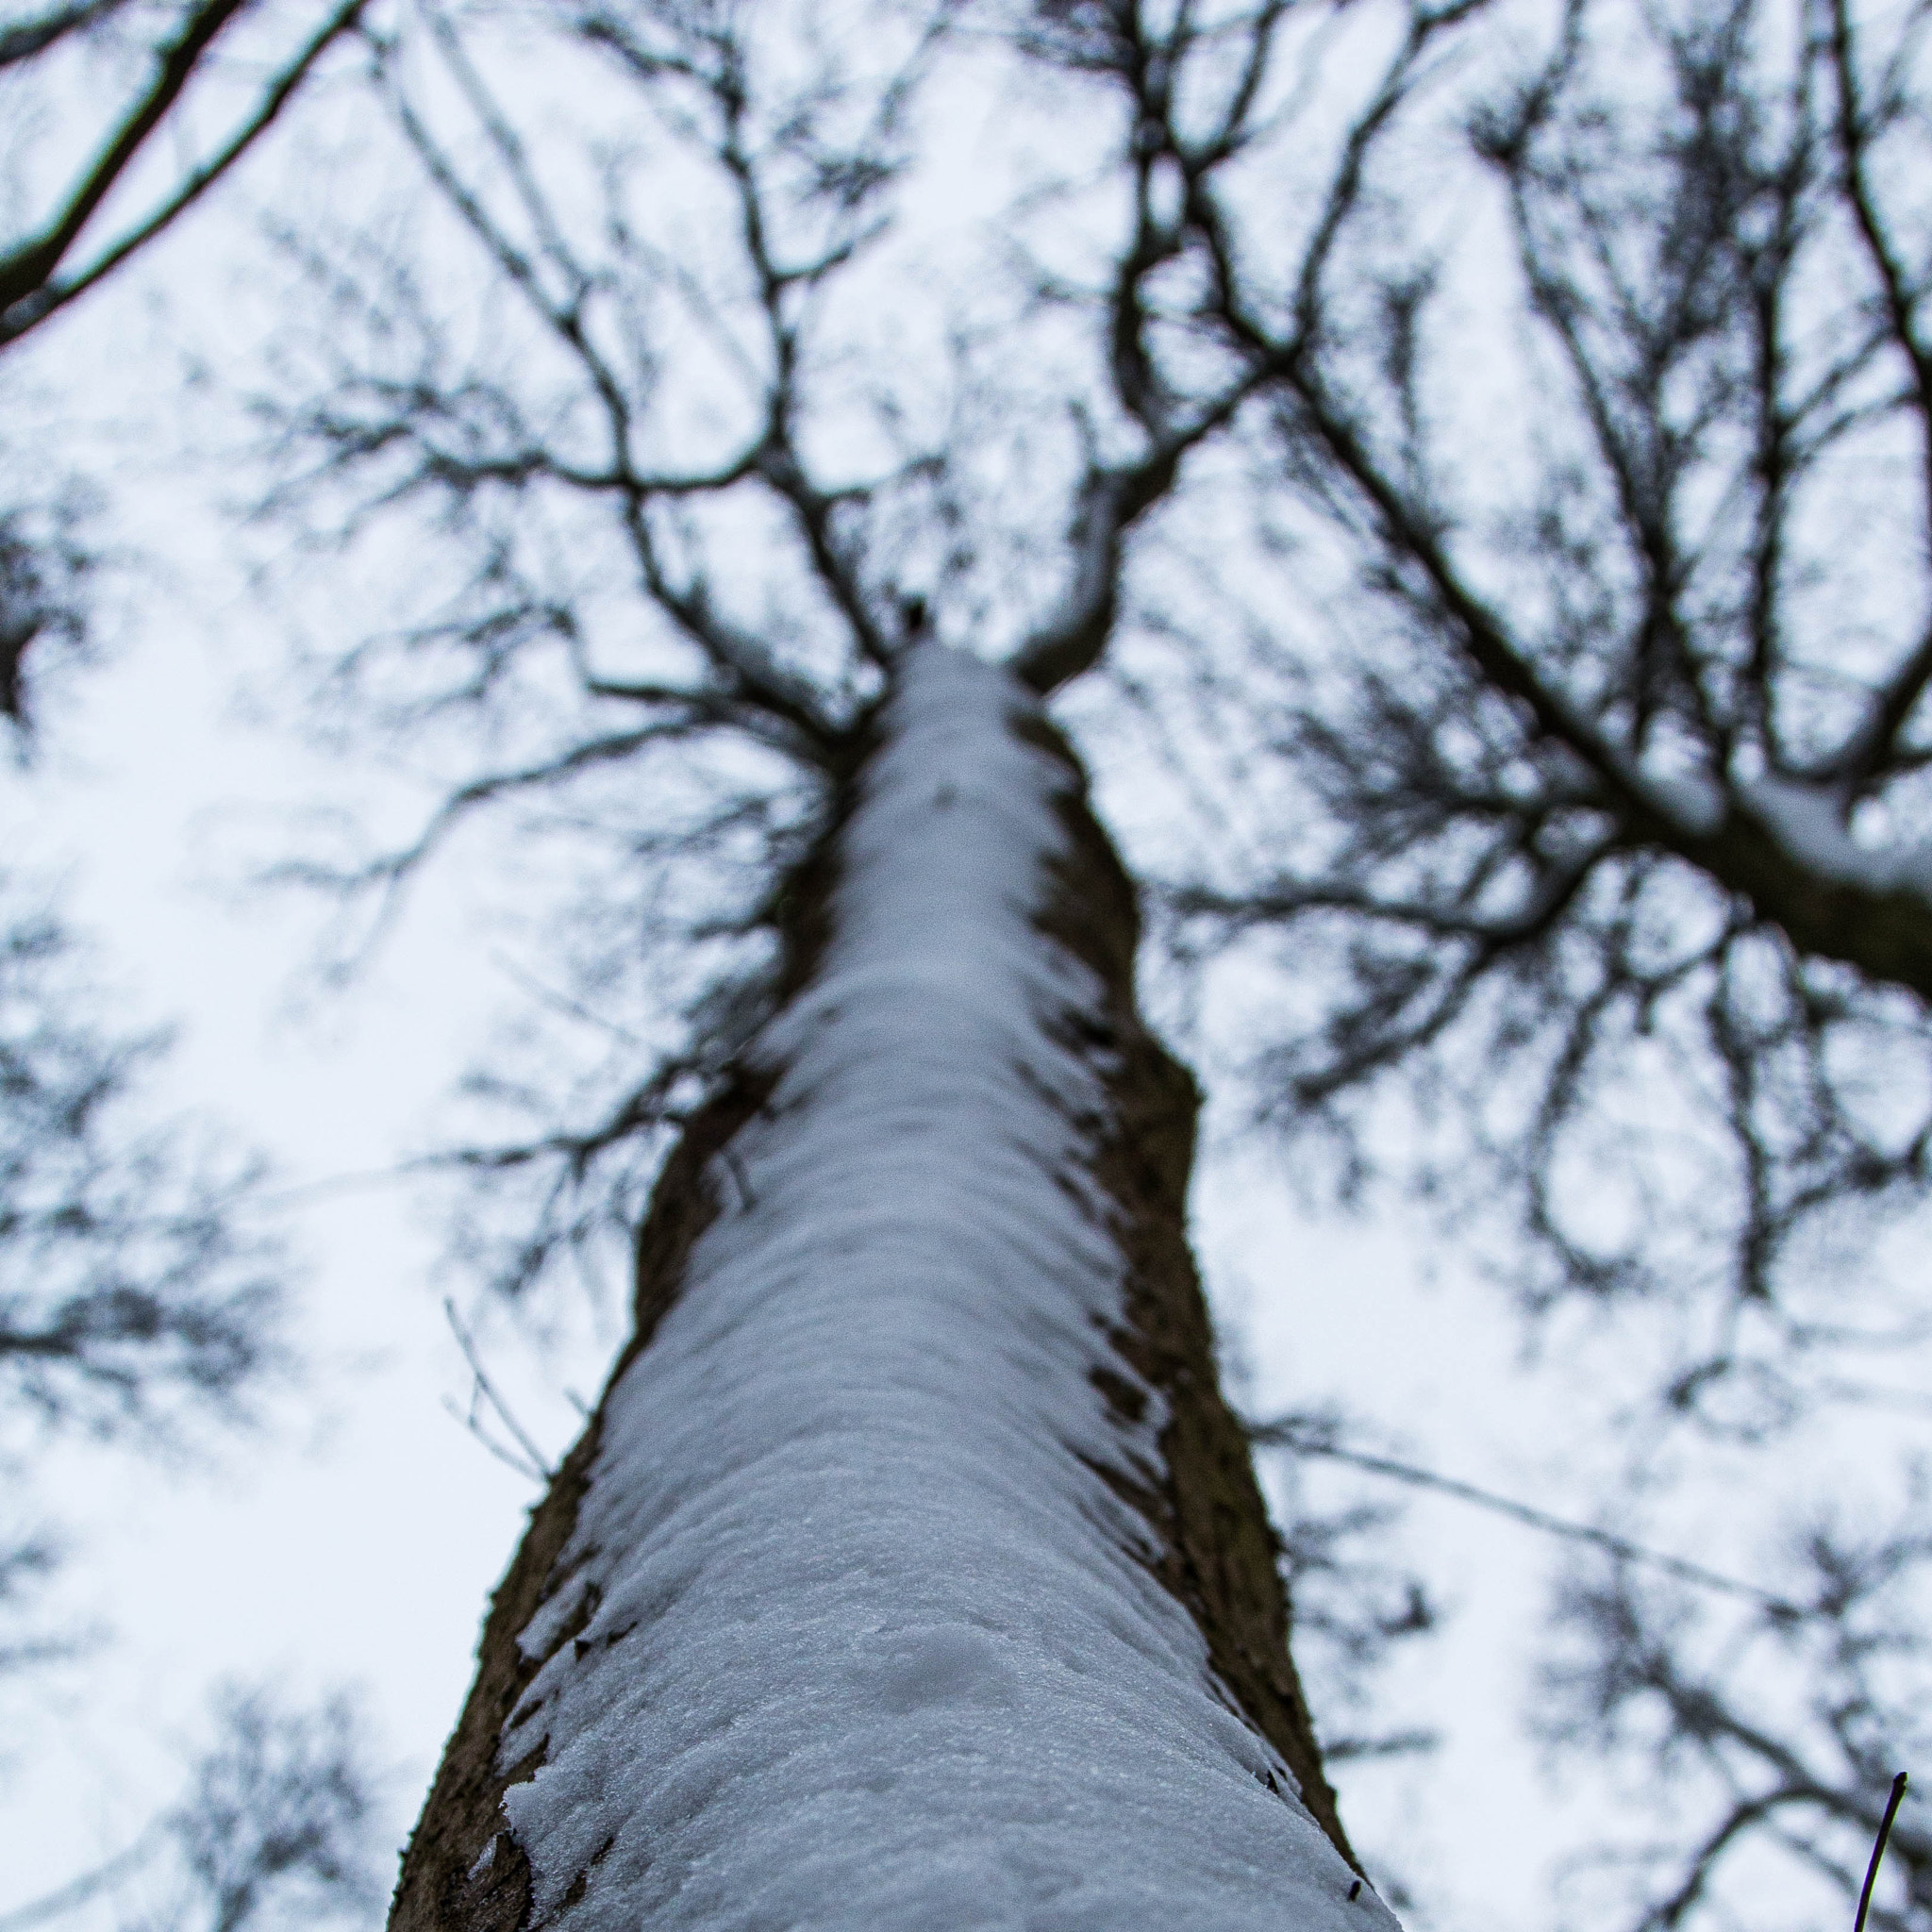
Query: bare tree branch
point(32, 287)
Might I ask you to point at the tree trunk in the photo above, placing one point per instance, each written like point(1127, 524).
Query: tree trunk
point(912, 1572)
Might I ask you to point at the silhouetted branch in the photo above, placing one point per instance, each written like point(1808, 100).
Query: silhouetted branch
point(1316, 1435)
point(531, 1462)
point(131, 1294)
point(32, 284)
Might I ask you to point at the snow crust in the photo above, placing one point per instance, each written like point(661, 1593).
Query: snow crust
point(871, 1645)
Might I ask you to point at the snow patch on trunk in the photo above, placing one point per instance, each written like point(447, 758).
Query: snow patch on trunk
point(869, 1643)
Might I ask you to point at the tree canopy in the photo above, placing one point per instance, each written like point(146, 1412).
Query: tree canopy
point(1465, 474)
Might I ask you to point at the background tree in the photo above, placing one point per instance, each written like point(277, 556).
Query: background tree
point(272, 1829)
point(1626, 775)
point(142, 1302)
point(1620, 783)
point(129, 1295)
point(88, 192)
point(137, 1303)
point(143, 1307)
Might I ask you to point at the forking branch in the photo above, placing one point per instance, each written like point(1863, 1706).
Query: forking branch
point(35, 278)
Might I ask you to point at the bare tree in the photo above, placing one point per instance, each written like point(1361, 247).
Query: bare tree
point(138, 1302)
point(129, 1296)
point(172, 69)
point(926, 988)
point(697, 490)
point(277, 1826)
point(1732, 1764)
point(1613, 794)
point(1742, 1731)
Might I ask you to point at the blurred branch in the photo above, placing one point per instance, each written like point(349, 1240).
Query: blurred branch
point(31, 286)
point(68, 1898)
point(1316, 1436)
point(131, 1295)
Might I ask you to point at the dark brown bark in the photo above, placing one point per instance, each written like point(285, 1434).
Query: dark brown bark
point(1220, 1554)
point(462, 1867)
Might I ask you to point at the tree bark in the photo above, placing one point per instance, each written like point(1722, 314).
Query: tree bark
point(913, 1571)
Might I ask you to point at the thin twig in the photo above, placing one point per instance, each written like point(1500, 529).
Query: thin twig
point(536, 1467)
point(1284, 1434)
point(1898, 1791)
point(77, 1892)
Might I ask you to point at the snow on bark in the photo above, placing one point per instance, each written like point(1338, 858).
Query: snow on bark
point(857, 1624)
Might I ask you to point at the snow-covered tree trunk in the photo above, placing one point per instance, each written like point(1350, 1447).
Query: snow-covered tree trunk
point(912, 1572)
